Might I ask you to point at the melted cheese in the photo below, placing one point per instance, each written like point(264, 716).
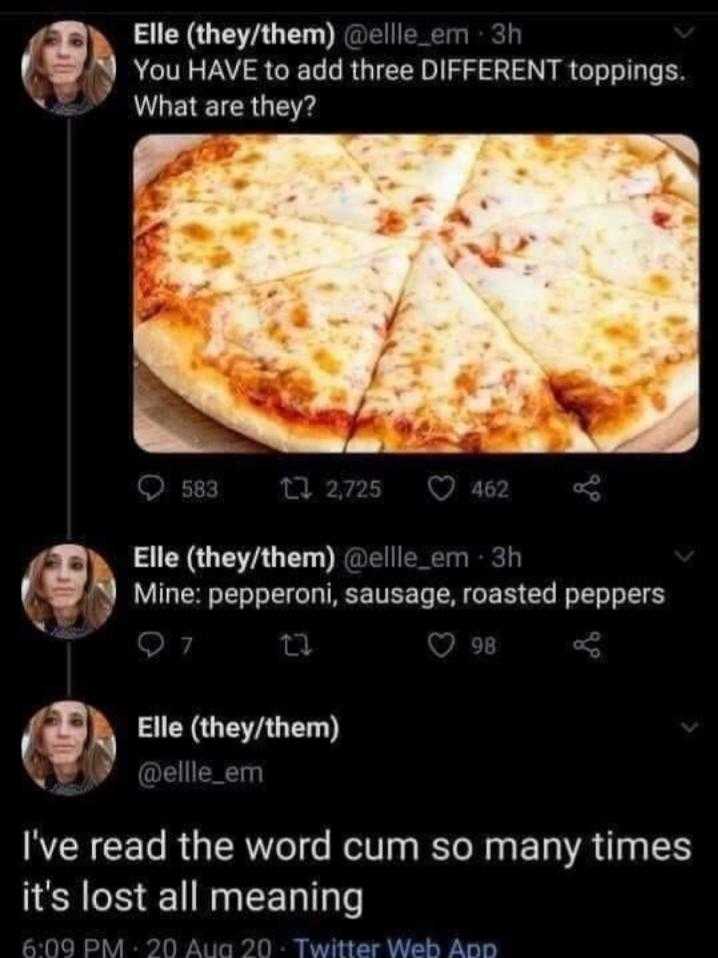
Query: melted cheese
point(520, 174)
point(209, 249)
point(611, 347)
point(420, 175)
point(649, 244)
point(307, 344)
point(452, 377)
point(307, 176)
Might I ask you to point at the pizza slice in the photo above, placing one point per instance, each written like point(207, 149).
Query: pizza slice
point(420, 175)
point(621, 360)
point(520, 174)
point(205, 249)
point(451, 378)
point(284, 362)
point(309, 176)
point(649, 243)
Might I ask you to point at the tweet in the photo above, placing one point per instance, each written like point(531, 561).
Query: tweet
point(360, 593)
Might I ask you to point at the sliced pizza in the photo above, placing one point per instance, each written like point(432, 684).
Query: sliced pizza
point(207, 248)
point(452, 379)
point(519, 174)
point(621, 360)
point(556, 311)
point(306, 176)
point(420, 175)
point(285, 362)
point(649, 243)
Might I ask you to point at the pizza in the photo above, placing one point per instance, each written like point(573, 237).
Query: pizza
point(286, 361)
point(619, 359)
point(198, 250)
point(422, 293)
point(452, 378)
point(649, 243)
point(309, 177)
point(420, 175)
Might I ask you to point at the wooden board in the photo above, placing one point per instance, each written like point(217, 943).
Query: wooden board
point(164, 422)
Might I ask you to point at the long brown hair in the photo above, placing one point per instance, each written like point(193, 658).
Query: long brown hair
point(94, 607)
point(95, 761)
point(95, 82)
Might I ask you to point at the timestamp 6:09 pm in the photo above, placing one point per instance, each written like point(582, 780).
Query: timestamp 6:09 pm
point(73, 948)
point(66, 947)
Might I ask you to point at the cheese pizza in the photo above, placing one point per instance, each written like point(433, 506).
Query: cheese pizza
point(649, 243)
point(289, 360)
point(452, 378)
point(412, 293)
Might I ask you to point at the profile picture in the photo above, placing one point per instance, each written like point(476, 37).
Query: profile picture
point(68, 591)
point(68, 748)
point(68, 68)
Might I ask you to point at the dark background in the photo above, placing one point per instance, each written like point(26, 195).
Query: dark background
point(539, 741)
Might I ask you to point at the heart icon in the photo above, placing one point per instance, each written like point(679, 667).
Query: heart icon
point(442, 487)
point(441, 644)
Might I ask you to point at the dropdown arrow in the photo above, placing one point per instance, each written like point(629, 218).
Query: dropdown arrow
point(684, 32)
point(685, 555)
point(690, 727)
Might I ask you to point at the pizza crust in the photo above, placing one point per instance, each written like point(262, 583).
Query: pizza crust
point(171, 357)
point(648, 147)
point(679, 386)
point(364, 444)
point(581, 442)
point(678, 178)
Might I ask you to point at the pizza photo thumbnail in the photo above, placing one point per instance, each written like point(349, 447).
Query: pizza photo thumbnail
point(475, 293)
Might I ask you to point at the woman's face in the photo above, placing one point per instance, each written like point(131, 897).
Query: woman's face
point(64, 732)
point(64, 51)
point(64, 576)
